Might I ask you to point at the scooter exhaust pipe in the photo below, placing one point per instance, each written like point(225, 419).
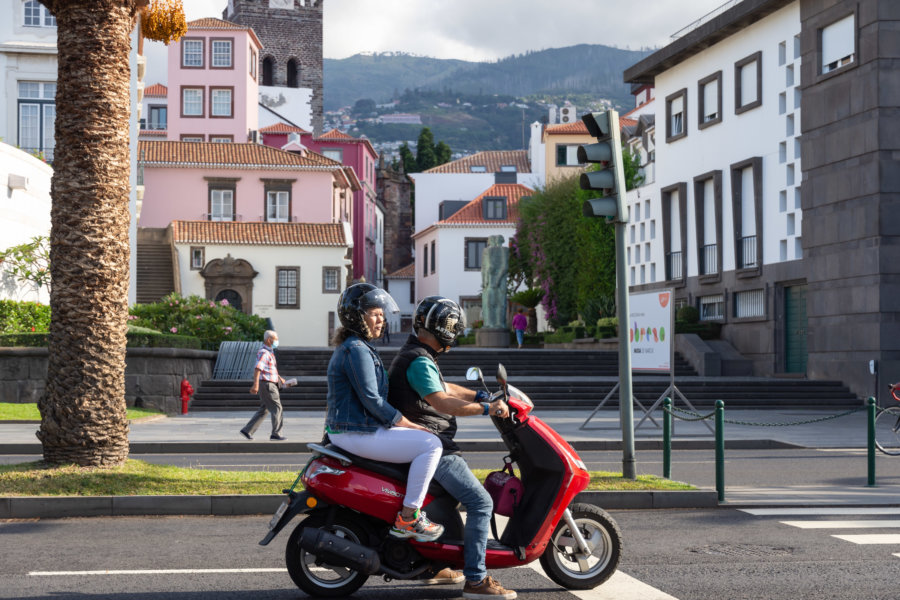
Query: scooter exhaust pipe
point(339, 551)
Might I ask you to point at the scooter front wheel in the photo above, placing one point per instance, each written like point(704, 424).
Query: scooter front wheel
point(318, 578)
point(563, 561)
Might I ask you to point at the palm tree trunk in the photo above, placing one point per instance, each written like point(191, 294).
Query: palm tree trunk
point(83, 418)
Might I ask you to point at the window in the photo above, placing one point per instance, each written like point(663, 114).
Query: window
point(712, 308)
point(192, 53)
point(191, 102)
point(709, 100)
point(197, 260)
point(838, 44)
point(425, 260)
point(222, 56)
point(37, 114)
point(331, 280)
point(192, 137)
point(412, 292)
point(748, 83)
point(433, 254)
point(676, 112)
point(508, 168)
point(221, 139)
point(221, 102)
point(293, 73)
point(474, 248)
point(750, 304)
point(287, 294)
point(37, 15)
point(221, 204)
point(268, 71)
point(708, 224)
point(478, 169)
point(158, 117)
point(567, 155)
point(253, 64)
point(336, 154)
point(746, 210)
point(494, 208)
point(278, 206)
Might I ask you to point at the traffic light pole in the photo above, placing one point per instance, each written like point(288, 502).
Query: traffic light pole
point(626, 413)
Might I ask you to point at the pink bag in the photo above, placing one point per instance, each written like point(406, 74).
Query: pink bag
point(505, 489)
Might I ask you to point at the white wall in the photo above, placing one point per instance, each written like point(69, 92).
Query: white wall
point(537, 158)
point(757, 132)
point(434, 188)
point(294, 104)
point(306, 326)
point(24, 213)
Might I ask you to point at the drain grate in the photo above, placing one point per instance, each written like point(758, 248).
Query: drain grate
point(742, 550)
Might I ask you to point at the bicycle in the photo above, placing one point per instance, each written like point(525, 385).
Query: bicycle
point(887, 425)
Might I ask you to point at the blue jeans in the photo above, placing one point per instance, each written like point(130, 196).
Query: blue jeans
point(454, 476)
point(520, 336)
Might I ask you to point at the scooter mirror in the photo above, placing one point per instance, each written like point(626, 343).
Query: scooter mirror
point(501, 374)
point(473, 374)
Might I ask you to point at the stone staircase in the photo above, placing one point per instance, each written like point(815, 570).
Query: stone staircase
point(155, 273)
point(553, 379)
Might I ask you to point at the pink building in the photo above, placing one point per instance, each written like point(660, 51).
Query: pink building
point(213, 89)
point(360, 155)
point(240, 182)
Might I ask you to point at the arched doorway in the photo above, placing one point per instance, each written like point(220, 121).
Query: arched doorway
point(232, 297)
point(293, 73)
point(268, 71)
point(230, 279)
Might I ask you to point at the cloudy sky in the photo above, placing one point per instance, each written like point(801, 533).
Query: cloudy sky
point(482, 29)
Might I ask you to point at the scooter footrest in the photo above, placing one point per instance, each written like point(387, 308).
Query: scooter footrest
point(495, 545)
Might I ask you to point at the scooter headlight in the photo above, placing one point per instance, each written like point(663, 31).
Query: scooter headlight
point(520, 395)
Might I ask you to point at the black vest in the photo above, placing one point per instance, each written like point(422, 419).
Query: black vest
point(404, 398)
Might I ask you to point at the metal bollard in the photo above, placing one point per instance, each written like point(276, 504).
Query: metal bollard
point(871, 411)
point(720, 450)
point(667, 438)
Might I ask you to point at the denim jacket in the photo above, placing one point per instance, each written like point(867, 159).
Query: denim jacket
point(357, 389)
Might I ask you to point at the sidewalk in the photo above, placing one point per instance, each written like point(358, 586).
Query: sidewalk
point(217, 432)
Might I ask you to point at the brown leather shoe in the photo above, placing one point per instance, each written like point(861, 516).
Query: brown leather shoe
point(488, 589)
point(446, 577)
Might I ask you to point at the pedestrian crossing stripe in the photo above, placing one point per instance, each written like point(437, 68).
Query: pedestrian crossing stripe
point(875, 538)
point(871, 524)
point(823, 511)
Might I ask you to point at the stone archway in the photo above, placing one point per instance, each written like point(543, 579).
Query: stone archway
point(229, 277)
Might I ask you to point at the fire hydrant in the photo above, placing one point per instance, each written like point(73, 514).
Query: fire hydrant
point(186, 391)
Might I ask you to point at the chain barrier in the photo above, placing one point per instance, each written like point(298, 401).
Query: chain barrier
point(699, 417)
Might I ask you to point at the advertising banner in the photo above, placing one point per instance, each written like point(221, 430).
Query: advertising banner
point(651, 331)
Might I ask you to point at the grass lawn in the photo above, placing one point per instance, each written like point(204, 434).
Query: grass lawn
point(29, 412)
point(138, 478)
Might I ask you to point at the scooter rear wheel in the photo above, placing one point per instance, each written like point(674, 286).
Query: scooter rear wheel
point(561, 560)
point(317, 578)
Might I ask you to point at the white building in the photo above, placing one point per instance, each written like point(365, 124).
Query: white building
point(448, 253)
point(401, 284)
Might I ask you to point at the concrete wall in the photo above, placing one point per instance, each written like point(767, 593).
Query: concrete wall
point(152, 375)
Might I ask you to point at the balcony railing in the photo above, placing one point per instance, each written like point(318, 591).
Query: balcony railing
point(224, 218)
point(747, 252)
point(674, 266)
point(709, 260)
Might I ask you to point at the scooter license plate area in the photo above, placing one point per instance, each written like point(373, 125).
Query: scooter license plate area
point(278, 514)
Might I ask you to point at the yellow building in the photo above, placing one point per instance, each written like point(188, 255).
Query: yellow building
point(561, 148)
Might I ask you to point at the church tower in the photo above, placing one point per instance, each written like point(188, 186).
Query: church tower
point(290, 63)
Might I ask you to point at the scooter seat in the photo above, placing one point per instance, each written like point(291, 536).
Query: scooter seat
point(398, 471)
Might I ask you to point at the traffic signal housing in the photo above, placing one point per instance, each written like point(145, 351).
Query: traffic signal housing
point(610, 177)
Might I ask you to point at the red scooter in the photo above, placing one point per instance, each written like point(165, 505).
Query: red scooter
point(349, 504)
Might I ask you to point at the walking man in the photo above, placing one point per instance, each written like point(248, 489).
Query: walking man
point(266, 382)
point(520, 324)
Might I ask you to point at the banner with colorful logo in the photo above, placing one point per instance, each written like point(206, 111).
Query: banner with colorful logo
point(651, 331)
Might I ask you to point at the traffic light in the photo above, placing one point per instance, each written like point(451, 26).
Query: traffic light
point(610, 179)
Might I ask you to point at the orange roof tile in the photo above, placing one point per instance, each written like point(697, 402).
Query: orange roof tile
point(264, 234)
point(152, 133)
point(282, 128)
point(213, 23)
point(491, 160)
point(336, 134)
point(194, 154)
point(157, 89)
point(473, 212)
point(626, 122)
point(574, 128)
point(407, 272)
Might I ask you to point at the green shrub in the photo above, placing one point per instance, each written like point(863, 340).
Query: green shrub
point(529, 298)
point(607, 327)
point(134, 339)
point(687, 314)
point(27, 340)
point(23, 317)
point(561, 336)
point(707, 330)
point(212, 322)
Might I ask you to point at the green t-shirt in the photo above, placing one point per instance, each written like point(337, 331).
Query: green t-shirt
point(424, 377)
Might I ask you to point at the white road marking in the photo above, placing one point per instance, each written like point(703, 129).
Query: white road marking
point(768, 512)
point(151, 572)
point(842, 524)
point(618, 587)
point(874, 538)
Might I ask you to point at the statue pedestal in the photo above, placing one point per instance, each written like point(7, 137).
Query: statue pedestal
point(492, 337)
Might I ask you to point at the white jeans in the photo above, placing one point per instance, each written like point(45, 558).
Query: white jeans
point(398, 445)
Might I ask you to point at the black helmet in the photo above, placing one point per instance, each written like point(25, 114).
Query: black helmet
point(441, 317)
point(356, 300)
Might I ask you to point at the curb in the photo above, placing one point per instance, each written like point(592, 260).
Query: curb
point(60, 507)
point(268, 447)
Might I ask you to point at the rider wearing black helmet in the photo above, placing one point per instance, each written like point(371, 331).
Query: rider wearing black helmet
point(419, 391)
point(360, 420)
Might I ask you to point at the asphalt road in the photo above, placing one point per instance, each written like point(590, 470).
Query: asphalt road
point(758, 468)
point(680, 554)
